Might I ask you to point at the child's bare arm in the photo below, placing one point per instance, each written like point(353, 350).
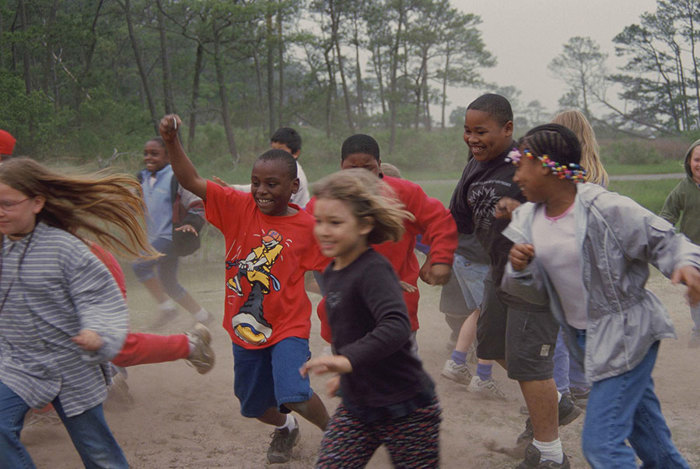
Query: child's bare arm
point(326, 364)
point(88, 340)
point(690, 277)
point(521, 255)
point(183, 168)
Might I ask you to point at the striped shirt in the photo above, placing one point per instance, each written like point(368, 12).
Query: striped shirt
point(59, 289)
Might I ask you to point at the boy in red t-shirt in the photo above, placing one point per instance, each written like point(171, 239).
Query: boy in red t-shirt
point(269, 246)
point(432, 220)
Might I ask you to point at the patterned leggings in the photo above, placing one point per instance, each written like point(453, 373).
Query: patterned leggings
point(412, 441)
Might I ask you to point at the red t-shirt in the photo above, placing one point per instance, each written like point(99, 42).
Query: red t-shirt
point(266, 258)
point(112, 265)
point(439, 231)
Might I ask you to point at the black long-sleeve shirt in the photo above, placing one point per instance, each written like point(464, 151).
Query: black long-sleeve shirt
point(370, 326)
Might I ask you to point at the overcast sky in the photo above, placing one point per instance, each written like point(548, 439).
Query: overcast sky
point(525, 35)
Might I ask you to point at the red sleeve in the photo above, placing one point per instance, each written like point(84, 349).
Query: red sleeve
point(219, 204)
point(433, 220)
point(112, 265)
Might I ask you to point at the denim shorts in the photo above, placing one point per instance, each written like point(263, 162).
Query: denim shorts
point(269, 377)
point(470, 276)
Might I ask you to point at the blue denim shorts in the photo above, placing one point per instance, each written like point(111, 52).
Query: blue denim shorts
point(269, 377)
point(470, 276)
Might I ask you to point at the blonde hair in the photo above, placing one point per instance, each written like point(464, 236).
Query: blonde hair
point(590, 152)
point(84, 204)
point(367, 196)
point(389, 169)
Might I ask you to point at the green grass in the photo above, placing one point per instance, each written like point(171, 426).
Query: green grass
point(650, 194)
point(667, 166)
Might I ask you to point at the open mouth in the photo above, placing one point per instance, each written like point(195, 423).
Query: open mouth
point(264, 203)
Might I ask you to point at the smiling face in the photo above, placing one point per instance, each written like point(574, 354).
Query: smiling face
point(361, 160)
point(340, 234)
point(272, 186)
point(532, 178)
point(486, 137)
point(154, 156)
point(694, 163)
point(18, 212)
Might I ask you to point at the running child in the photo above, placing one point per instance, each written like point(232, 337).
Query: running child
point(569, 243)
point(63, 316)
point(159, 275)
point(387, 397)
point(269, 247)
point(683, 203)
point(518, 334)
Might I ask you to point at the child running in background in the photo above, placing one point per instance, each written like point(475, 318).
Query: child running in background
point(569, 243)
point(159, 275)
point(430, 219)
point(63, 316)
point(269, 247)
point(7, 145)
point(387, 397)
point(683, 203)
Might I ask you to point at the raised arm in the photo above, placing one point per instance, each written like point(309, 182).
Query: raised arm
point(183, 168)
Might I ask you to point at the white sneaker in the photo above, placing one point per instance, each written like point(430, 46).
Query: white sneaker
point(486, 388)
point(455, 372)
point(202, 356)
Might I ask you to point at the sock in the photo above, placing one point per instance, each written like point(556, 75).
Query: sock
point(559, 396)
point(202, 315)
point(458, 357)
point(167, 305)
point(550, 451)
point(290, 424)
point(484, 371)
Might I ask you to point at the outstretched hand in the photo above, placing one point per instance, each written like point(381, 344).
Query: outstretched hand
point(521, 255)
point(326, 364)
point(88, 340)
point(504, 208)
point(169, 126)
point(690, 277)
point(187, 229)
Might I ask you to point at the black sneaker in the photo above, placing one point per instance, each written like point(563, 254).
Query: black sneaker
point(532, 461)
point(280, 450)
point(580, 396)
point(568, 412)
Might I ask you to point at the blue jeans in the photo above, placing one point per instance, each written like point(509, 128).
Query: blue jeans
point(567, 372)
point(165, 267)
point(89, 431)
point(625, 407)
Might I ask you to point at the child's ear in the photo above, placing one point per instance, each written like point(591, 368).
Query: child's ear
point(295, 185)
point(508, 128)
point(366, 225)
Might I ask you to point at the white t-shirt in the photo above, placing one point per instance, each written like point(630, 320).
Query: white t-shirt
point(557, 251)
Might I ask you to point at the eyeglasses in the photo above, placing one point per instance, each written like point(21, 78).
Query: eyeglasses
point(8, 206)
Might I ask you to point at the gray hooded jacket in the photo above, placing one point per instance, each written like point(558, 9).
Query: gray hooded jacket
point(618, 239)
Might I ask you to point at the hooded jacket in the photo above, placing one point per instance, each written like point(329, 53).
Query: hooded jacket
point(683, 202)
point(618, 239)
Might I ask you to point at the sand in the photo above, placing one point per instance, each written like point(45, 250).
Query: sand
point(180, 419)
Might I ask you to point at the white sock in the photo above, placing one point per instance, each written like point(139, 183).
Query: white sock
point(550, 451)
point(290, 424)
point(167, 305)
point(558, 396)
point(201, 315)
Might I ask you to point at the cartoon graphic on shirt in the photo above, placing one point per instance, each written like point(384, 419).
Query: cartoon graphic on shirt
point(483, 201)
point(249, 323)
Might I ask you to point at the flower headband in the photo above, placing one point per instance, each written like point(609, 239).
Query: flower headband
point(571, 171)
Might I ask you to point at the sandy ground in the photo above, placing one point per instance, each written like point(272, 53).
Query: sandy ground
point(181, 419)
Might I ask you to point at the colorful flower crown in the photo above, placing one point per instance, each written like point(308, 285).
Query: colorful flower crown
point(571, 171)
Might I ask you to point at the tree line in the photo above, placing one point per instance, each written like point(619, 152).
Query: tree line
point(98, 73)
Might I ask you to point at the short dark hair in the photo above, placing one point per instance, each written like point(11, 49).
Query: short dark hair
point(556, 141)
point(359, 143)
point(284, 157)
point(289, 137)
point(495, 105)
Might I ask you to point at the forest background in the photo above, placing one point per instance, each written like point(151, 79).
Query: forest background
point(85, 82)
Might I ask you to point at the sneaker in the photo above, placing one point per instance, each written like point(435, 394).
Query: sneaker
point(283, 440)
point(532, 460)
point(486, 388)
point(568, 412)
point(455, 372)
point(580, 396)
point(202, 356)
point(41, 417)
point(165, 316)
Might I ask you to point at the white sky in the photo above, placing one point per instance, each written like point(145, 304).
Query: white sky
point(525, 35)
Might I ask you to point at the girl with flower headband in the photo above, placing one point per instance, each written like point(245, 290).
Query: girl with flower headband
point(586, 251)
